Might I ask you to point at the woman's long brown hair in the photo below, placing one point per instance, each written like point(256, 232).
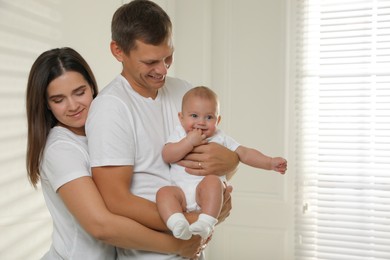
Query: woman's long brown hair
point(47, 67)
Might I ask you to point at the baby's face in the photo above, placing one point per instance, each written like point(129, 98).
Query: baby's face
point(200, 113)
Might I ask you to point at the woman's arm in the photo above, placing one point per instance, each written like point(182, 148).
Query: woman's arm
point(84, 201)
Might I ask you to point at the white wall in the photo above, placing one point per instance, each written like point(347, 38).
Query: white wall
point(86, 26)
point(235, 47)
point(239, 49)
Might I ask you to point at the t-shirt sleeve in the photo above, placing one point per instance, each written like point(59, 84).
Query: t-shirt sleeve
point(110, 133)
point(64, 162)
point(231, 144)
point(226, 141)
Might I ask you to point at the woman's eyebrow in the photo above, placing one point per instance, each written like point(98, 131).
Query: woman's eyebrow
point(73, 91)
point(79, 88)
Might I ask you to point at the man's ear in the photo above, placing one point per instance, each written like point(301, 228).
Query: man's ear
point(116, 51)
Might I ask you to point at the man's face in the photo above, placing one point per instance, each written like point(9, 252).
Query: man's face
point(146, 66)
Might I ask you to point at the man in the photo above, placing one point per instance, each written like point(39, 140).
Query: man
point(132, 117)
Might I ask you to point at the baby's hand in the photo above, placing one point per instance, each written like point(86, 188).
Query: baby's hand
point(279, 164)
point(196, 137)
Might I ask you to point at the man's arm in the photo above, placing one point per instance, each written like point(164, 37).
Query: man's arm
point(85, 203)
point(113, 183)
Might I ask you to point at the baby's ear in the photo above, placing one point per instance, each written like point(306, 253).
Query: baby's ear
point(219, 120)
point(180, 116)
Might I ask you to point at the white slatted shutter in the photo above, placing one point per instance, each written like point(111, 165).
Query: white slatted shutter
point(342, 111)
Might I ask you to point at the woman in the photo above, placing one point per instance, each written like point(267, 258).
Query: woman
point(60, 89)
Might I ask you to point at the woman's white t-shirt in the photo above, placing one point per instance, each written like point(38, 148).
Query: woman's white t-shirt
point(65, 158)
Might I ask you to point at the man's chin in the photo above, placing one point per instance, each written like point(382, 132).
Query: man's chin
point(158, 85)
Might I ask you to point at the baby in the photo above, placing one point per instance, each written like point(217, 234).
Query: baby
point(199, 119)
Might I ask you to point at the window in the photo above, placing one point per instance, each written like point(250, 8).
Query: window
point(342, 131)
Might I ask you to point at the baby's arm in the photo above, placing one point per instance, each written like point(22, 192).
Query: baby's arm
point(257, 159)
point(173, 152)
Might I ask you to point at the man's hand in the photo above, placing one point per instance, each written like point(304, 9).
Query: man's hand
point(227, 203)
point(210, 158)
point(190, 248)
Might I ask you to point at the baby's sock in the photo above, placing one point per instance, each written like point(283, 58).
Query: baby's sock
point(179, 226)
point(204, 226)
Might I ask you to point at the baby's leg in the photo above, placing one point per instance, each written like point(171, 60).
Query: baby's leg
point(209, 196)
point(171, 203)
point(170, 200)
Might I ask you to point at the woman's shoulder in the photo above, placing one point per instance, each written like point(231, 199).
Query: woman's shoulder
point(64, 137)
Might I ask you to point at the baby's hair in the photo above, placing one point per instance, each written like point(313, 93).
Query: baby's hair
point(201, 92)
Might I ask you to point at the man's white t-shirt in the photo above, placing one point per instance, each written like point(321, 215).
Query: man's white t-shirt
point(125, 128)
point(65, 158)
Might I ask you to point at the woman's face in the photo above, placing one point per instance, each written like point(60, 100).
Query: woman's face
point(69, 97)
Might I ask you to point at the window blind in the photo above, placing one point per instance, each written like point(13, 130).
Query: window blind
point(342, 137)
